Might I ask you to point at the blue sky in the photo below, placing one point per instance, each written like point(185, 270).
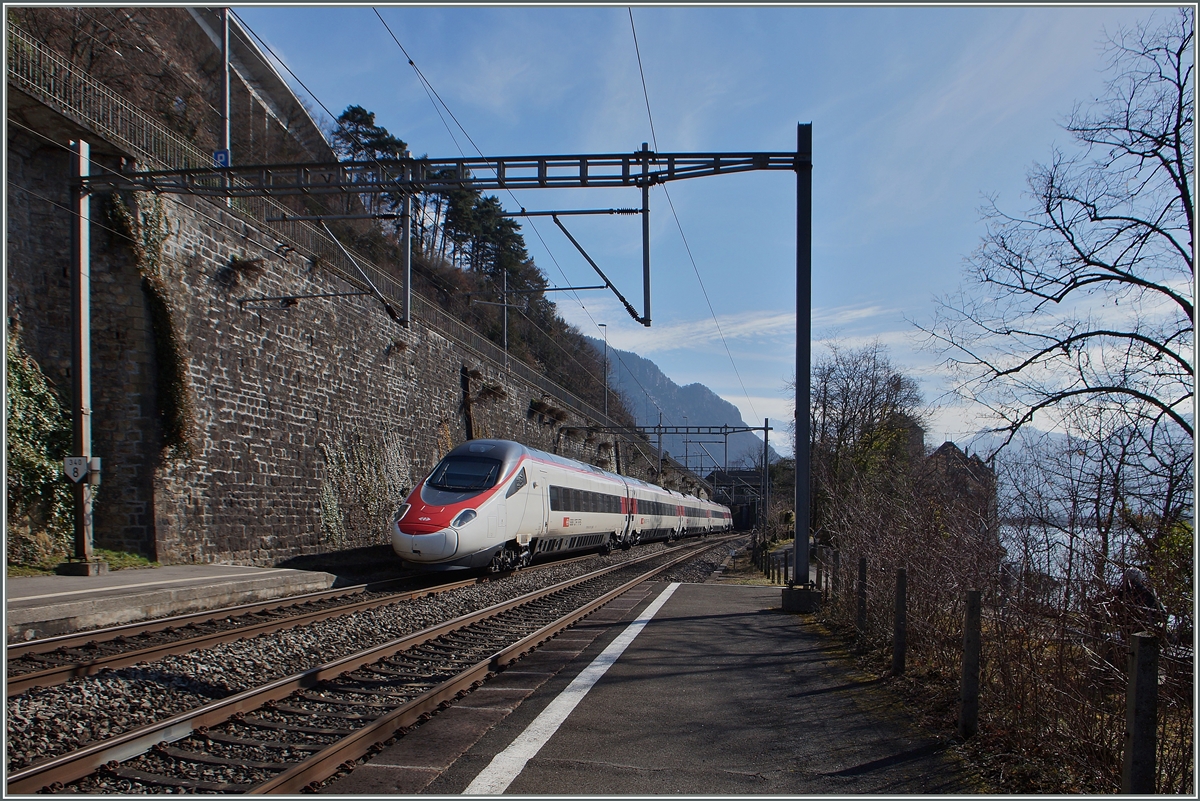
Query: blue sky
point(917, 114)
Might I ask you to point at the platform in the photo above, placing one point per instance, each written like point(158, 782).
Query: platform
point(45, 606)
point(720, 693)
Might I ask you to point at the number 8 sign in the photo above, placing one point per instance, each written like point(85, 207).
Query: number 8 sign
point(76, 468)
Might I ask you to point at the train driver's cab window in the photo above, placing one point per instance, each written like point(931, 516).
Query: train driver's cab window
point(465, 474)
point(516, 484)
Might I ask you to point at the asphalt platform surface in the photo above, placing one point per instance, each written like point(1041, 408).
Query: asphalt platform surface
point(721, 693)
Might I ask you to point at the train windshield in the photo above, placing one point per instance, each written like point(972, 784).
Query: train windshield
point(465, 473)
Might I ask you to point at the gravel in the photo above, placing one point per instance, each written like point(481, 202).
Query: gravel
point(701, 569)
point(45, 722)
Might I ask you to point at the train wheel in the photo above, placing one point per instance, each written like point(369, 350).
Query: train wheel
point(499, 562)
point(509, 558)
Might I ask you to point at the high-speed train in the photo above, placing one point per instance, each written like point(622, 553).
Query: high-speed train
point(498, 504)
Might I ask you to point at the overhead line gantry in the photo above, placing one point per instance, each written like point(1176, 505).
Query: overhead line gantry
point(407, 176)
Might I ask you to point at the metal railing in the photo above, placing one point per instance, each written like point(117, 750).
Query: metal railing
point(46, 76)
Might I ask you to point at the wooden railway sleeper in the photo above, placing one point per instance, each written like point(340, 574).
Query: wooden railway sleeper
point(156, 780)
point(204, 758)
point(295, 710)
point(323, 699)
point(229, 739)
point(387, 692)
point(263, 723)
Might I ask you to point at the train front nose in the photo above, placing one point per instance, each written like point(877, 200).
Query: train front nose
point(432, 546)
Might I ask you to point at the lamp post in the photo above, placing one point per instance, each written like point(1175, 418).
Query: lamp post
point(605, 327)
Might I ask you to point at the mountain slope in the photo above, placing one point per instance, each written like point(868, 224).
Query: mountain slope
point(694, 405)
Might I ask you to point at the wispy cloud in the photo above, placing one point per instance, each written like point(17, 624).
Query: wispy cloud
point(763, 327)
point(702, 334)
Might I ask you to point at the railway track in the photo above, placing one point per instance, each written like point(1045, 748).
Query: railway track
point(53, 660)
point(290, 733)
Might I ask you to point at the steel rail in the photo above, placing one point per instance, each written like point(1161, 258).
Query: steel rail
point(326, 762)
point(60, 674)
point(46, 644)
point(90, 758)
point(108, 633)
point(64, 673)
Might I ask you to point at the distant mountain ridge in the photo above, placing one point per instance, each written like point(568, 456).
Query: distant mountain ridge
point(630, 373)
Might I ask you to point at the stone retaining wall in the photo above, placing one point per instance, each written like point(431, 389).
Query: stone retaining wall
point(311, 419)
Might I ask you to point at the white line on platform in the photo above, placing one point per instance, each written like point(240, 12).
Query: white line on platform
point(509, 763)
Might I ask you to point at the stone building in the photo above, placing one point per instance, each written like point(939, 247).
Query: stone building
point(965, 484)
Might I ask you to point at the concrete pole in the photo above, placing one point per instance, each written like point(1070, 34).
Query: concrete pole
point(605, 327)
point(406, 244)
point(803, 340)
point(81, 348)
point(406, 216)
point(225, 129)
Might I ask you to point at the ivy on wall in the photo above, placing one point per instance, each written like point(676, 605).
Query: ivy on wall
point(40, 501)
point(148, 233)
point(365, 480)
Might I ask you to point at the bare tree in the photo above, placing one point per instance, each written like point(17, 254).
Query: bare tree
point(1088, 298)
point(1082, 310)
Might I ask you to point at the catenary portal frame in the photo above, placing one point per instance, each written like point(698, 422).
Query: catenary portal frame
point(641, 169)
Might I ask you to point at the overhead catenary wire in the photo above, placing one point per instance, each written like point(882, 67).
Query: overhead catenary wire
point(679, 225)
point(429, 90)
point(95, 164)
point(433, 93)
point(213, 220)
point(196, 209)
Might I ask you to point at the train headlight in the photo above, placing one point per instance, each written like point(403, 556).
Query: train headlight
point(401, 512)
point(464, 517)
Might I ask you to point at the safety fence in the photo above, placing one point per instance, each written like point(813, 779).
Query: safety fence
point(1058, 687)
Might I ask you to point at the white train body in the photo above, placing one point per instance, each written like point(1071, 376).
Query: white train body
point(498, 504)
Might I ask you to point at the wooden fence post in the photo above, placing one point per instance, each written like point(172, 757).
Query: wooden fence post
point(1138, 771)
point(900, 629)
point(968, 711)
point(861, 622)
